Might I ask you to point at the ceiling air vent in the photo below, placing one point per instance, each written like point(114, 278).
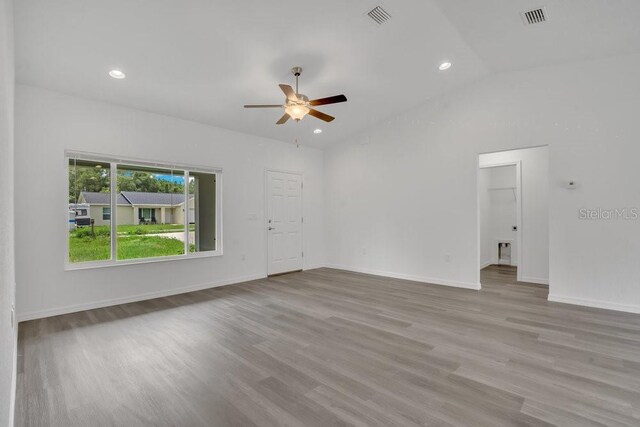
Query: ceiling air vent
point(379, 15)
point(535, 16)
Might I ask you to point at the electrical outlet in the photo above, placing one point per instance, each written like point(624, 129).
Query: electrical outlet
point(364, 251)
point(447, 258)
point(243, 257)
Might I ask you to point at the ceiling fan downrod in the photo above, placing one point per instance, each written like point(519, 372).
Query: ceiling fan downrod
point(296, 72)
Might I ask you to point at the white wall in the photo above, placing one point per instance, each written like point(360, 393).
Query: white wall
point(485, 218)
point(47, 123)
point(403, 195)
point(498, 213)
point(535, 208)
point(7, 277)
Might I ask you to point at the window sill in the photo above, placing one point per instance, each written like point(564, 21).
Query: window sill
point(102, 264)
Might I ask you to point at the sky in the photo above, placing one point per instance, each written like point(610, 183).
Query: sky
point(178, 179)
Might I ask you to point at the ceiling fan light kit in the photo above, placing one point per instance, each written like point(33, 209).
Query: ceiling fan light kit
point(297, 112)
point(298, 105)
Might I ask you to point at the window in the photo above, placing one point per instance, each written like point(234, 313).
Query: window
point(155, 196)
point(89, 240)
point(161, 211)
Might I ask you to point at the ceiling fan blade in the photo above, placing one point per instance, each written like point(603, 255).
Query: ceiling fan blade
point(329, 100)
point(319, 115)
point(283, 119)
point(288, 90)
point(263, 106)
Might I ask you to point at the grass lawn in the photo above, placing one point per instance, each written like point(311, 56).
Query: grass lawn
point(131, 247)
point(132, 244)
point(89, 249)
point(151, 228)
point(134, 229)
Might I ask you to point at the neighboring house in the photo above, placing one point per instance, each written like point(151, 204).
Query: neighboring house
point(134, 207)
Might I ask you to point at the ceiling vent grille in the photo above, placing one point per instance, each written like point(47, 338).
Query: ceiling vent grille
point(534, 16)
point(379, 15)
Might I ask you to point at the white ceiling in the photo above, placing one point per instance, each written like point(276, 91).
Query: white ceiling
point(576, 30)
point(203, 59)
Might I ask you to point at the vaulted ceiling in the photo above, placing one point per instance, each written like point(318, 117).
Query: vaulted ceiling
point(203, 59)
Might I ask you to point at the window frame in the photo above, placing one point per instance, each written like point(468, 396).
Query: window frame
point(115, 162)
point(106, 214)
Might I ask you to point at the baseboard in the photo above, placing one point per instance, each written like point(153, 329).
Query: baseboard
point(429, 280)
point(628, 308)
point(313, 267)
point(40, 314)
point(485, 265)
point(536, 280)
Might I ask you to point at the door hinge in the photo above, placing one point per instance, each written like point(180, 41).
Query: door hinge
point(303, 254)
point(302, 219)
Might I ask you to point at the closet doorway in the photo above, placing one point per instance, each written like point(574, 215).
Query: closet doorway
point(513, 218)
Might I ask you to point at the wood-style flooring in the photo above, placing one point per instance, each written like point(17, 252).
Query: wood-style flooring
point(327, 347)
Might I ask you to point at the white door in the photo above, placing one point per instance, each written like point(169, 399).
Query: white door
point(284, 222)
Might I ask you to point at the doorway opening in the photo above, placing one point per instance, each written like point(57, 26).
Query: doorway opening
point(513, 224)
point(500, 218)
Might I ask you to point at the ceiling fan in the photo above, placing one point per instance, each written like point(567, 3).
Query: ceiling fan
point(298, 105)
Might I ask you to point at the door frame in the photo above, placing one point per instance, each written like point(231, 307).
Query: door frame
point(266, 213)
point(518, 165)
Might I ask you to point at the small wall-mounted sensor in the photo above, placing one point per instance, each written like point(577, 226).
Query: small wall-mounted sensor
point(570, 185)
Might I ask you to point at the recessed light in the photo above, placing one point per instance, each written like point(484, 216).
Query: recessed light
point(117, 74)
point(444, 66)
point(317, 131)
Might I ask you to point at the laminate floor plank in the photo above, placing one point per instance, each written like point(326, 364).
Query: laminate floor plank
point(334, 348)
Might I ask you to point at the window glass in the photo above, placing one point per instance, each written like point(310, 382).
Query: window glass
point(89, 191)
point(150, 220)
point(106, 214)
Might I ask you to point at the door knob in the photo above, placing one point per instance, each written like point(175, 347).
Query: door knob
point(271, 228)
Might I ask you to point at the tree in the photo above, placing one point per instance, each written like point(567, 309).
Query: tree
point(87, 178)
point(146, 182)
point(96, 179)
